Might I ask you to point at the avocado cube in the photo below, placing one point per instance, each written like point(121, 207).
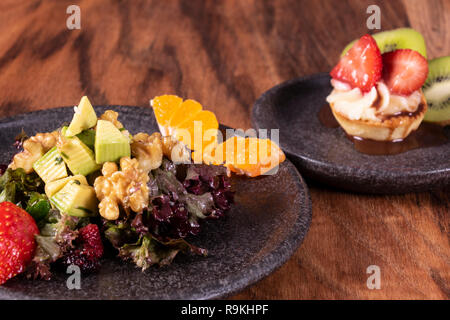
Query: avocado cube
point(110, 143)
point(53, 187)
point(84, 118)
point(78, 157)
point(76, 200)
point(50, 166)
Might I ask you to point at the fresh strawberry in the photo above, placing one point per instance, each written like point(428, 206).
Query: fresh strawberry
point(17, 243)
point(88, 250)
point(404, 71)
point(361, 66)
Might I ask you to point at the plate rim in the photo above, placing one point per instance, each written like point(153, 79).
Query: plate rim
point(273, 261)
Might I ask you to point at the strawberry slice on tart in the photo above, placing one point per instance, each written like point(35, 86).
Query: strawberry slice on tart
point(404, 71)
point(361, 67)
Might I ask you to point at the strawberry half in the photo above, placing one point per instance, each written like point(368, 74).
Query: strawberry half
point(404, 71)
point(17, 243)
point(361, 66)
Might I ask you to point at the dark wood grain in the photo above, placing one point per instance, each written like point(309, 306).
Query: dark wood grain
point(225, 54)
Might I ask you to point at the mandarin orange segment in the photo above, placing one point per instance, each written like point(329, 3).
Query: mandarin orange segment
point(199, 131)
point(186, 121)
point(164, 107)
point(249, 156)
point(188, 110)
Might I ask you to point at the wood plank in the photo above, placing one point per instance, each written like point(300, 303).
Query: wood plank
point(225, 54)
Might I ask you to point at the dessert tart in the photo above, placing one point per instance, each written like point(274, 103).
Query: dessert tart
point(383, 127)
point(378, 96)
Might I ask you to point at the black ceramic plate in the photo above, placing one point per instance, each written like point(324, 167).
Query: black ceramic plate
point(265, 226)
point(326, 155)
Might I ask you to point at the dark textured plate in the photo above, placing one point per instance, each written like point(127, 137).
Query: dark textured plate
point(265, 226)
point(326, 155)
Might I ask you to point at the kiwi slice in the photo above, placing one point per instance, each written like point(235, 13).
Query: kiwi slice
point(402, 38)
point(437, 91)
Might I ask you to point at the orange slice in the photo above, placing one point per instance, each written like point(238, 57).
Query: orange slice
point(249, 156)
point(164, 107)
point(186, 121)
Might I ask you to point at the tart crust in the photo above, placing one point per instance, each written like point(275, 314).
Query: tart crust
point(391, 128)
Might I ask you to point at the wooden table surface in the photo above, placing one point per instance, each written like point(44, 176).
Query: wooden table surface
point(225, 54)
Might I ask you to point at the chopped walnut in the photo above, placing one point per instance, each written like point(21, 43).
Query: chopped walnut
point(33, 149)
point(175, 150)
point(126, 187)
point(112, 116)
point(148, 150)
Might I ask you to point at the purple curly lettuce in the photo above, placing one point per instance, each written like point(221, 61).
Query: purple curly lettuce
point(55, 240)
point(201, 179)
point(202, 192)
point(181, 196)
point(170, 219)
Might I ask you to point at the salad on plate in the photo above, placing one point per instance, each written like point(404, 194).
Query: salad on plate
point(71, 194)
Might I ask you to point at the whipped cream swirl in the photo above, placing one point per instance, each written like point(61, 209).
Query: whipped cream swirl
point(373, 105)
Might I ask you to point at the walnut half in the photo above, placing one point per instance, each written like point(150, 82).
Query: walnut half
point(175, 150)
point(112, 116)
point(33, 149)
point(126, 188)
point(148, 150)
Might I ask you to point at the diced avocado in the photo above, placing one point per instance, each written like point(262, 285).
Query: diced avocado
point(110, 143)
point(76, 200)
point(53, 187)
point(51, 166)
point(78, 157)
point(64, 130)
point(87, 137)
point(84, 118)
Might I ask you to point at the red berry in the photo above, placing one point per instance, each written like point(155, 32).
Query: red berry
point(361, 66)
point(88, 250)
point(82, 259)
point(404, 71)
point(89, 237)
point(17, 243)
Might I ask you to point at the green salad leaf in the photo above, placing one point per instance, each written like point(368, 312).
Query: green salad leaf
point(148, 250)
point(8, 193)
point(38, 206)
point(26, 191)
point(17, 186)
